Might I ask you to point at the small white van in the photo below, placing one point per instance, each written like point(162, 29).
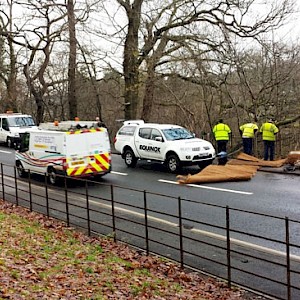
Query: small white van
point(12, 124)
point(69, 148)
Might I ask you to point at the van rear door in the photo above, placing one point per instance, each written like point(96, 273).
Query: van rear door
point(87, 152)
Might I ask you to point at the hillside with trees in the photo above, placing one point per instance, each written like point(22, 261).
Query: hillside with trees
point(184, 62)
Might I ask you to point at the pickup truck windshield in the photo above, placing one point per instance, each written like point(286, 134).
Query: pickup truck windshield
point(20, 122)
point(172, 134)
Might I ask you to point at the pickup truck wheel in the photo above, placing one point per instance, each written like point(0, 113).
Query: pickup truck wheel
point(130, 159)
point(173, 163)
point(21, 171)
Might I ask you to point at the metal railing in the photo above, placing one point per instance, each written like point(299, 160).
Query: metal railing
point(225, 242)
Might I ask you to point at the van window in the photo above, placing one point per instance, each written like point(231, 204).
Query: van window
point(23, 144)
point(21, 121)
point(5, 124)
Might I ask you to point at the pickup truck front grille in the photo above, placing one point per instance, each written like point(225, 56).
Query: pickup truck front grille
point(200, 157)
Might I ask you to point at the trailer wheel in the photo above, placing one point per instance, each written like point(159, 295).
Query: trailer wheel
point(21, 171)
point(130, 159)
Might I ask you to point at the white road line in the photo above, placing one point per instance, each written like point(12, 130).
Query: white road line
point(245, 244)
point(205, 233)
point(119, 173)
point(198, 231)
point(7, 152)
point(209, 187)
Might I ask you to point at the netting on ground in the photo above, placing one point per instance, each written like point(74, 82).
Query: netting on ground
point(241, 168)
point(245, 159)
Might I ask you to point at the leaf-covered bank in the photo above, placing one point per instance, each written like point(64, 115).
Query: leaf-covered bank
point(41, 258)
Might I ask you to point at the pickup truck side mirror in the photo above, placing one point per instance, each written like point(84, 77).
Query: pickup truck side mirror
point(159, 139)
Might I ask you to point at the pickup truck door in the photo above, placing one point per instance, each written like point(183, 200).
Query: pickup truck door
point(148, 143)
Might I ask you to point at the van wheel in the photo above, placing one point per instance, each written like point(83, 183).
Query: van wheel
point(21, 171)
point(9, 142)
point(173, 163)
point(130, 159)
point(52, 176)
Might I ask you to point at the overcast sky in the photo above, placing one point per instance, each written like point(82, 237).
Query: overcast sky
point(291, 31)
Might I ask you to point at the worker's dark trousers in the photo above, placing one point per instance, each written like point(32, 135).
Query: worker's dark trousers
point(222, 146)
point(248, 144)
point(269, 150)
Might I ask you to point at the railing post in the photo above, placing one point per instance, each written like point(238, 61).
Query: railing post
point(47, 196)
point(2, 178)
point(228, 247)
point(67, 202)
point(288, 261)
point(146, 223)
point(30, 192)
point(87, 208)
point(113, 212)
point(16, 185)
point(180, 232)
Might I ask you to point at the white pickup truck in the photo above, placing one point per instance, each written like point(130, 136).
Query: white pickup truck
point(171, 144)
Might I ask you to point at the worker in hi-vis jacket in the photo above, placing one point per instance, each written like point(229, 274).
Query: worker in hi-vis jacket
point(269, 131)
point(221, 132)
point(248, 132)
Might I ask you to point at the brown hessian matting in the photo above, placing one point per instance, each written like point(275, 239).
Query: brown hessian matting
point(241, 168)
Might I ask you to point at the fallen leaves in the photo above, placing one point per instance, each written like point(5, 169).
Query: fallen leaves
point(41, 258)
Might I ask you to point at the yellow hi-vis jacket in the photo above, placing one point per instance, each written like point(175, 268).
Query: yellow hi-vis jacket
point(221, 132)
point(268, 131)
point(248, 130)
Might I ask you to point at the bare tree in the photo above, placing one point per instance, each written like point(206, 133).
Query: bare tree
point(8, 68)
point(44, 29)
point(177, 20)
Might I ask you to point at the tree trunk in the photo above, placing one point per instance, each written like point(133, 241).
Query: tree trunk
point(72, 62)
point(40, 107)
point(131, 62)
point(9, 101)
point(149, 95)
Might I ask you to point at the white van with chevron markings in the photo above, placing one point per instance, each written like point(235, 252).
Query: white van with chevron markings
point(73, 149)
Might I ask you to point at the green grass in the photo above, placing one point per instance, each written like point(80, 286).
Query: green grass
point(56, 262)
